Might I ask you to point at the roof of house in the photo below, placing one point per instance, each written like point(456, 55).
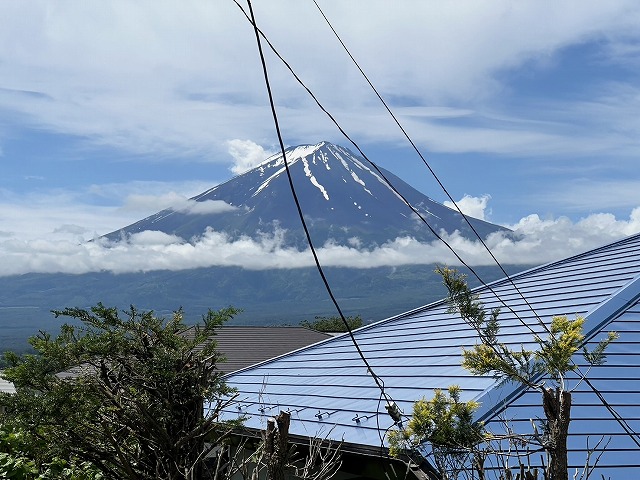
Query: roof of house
point(328, 388)
point(243, 346)
point(6, 386)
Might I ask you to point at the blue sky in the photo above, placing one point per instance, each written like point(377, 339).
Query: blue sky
point(111, 111)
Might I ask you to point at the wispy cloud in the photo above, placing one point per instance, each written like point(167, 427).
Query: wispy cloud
point(141, 80)
point(586, 194)
point(205, 207)
point(88, 212)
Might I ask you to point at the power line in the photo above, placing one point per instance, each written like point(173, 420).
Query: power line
point(615, 415)
point(379, 382)
point(621, 421)
point(431, 170)
point(377, 379)
point(389, 184)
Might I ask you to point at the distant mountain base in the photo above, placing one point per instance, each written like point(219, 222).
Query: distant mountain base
point(267, 297)
point(345, 200)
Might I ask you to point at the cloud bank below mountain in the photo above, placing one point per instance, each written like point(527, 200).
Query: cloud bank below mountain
point(536, 241)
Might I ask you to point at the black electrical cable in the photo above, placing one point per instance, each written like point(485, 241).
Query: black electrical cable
point(377, 379)
point(620, 420)
point(424, 160)
point(471, 269)
point(346, 135)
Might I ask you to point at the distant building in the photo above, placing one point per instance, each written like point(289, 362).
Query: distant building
point(6, 386)
point(243, 346)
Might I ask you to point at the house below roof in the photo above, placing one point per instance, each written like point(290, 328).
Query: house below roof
point(329, 390)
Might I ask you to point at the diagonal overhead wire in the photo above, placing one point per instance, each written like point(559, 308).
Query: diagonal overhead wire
point(426, 163)
point(627, 428)
point(379, 382)
point(383, 176)
point(377, 379)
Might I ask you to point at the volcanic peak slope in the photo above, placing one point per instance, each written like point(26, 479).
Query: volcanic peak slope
point(342, 197)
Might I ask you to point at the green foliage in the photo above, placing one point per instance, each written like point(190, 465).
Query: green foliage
point(552, 357)
point(556, 352)
point(444, 421)
point(333, 324)
point(124, 391)
point(597, 355)
point(17, 461)
point(446, 424)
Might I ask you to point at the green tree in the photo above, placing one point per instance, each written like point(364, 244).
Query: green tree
point(123, 391)
point(18, 460)
point(446, 423)
point(333, 324)
point(543, 368)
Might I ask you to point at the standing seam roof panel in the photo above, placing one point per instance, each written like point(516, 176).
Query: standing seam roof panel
point(590, 282)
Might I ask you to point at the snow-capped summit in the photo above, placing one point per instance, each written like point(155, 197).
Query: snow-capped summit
point(322, 154)
point(343, 198)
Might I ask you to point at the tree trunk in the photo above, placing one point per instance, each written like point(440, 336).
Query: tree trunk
point(478, 464)
point(557, 409)
point(276, 445)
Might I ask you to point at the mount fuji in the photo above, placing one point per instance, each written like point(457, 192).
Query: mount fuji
point(344, 200)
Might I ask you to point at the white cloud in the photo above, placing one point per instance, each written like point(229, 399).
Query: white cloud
point(204, 207)
point(548, 240)
point(537, 241)
point(49, 216)
point(472, 206)
point(151, 202)
point(136, 77)
point(71, 229)
point(246, 155)
point(88, 212)
point(145, 195)
point(176, 202)
point(153, 238)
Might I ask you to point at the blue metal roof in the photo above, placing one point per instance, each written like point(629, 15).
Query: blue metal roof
point(618, 381)
point(329, 391)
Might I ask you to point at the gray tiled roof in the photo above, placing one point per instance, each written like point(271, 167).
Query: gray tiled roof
point(244, 346)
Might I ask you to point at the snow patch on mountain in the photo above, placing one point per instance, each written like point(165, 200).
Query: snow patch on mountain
point(265, 184)
point(312, 178)
point(357, 180)
point(325, 159)
point(339, 151)
point(293, 155)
